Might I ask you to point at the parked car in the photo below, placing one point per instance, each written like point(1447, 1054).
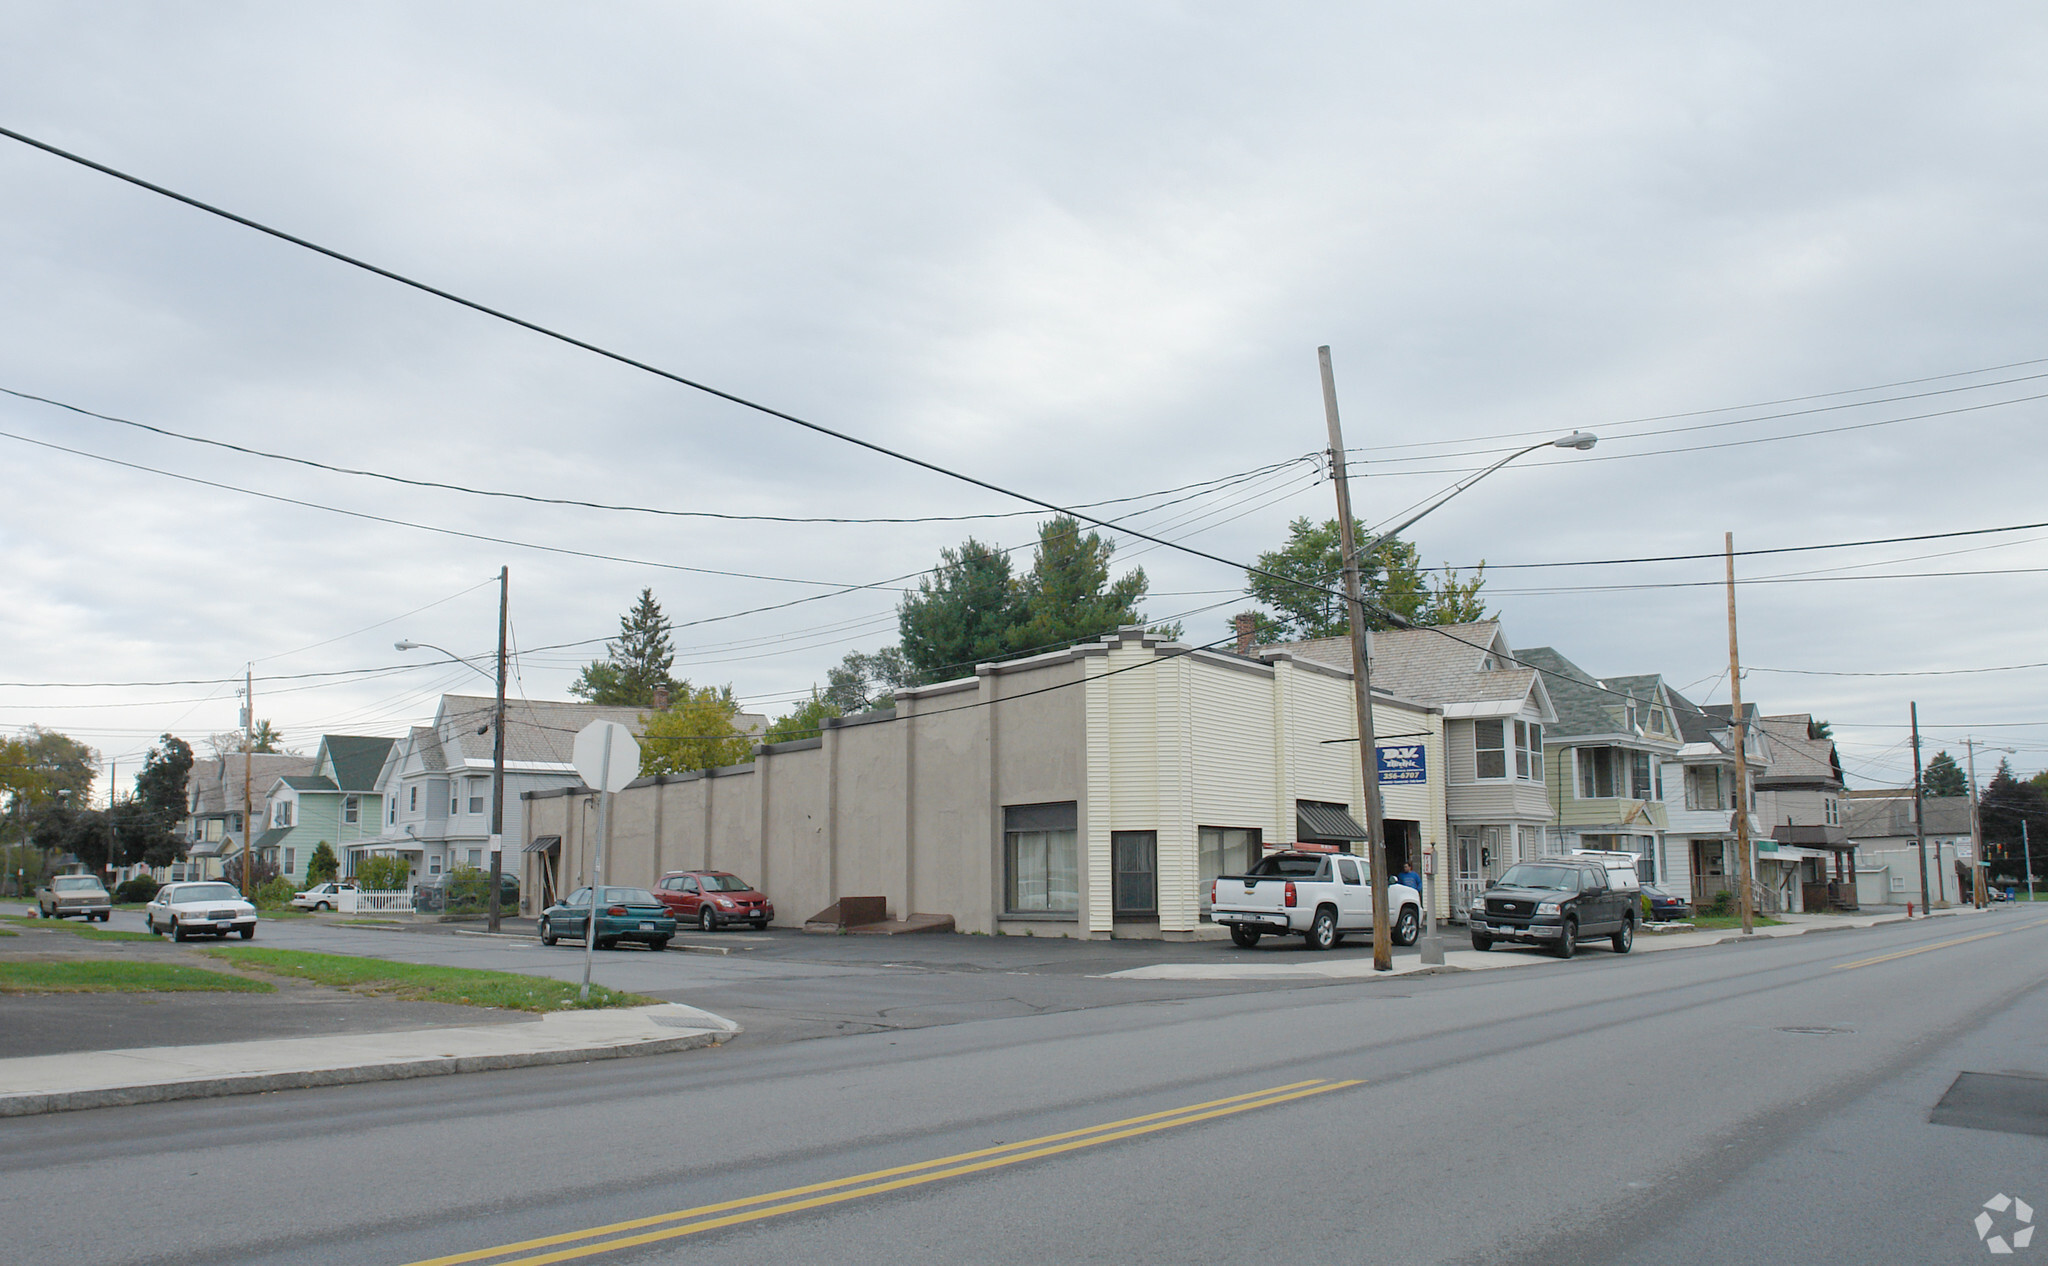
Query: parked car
point(1322, 896)
point(712, 898)
point(1664, 907)
point(1554, 902)
point(626, 914)
point(185, 910)
point(325, 896)
point(66, 895)
point(432, 893)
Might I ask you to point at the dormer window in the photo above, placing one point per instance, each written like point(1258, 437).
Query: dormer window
point(1487, 664)
point(1657, 721)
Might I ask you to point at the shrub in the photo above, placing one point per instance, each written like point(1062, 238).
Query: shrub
point(383, 874)
point(264, 871)
point(141, 889)
point(1721, 906)
point(274, 894)
point(322, 866)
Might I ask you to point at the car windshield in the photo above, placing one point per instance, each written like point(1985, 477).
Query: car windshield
point(725, 883)
point(629, 897)
point(1562, 878)
point(1289, 865)
point(206, 892)
point(77, 883)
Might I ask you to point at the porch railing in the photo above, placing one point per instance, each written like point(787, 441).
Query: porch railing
point(1463, 893)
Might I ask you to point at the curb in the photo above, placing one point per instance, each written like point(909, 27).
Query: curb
point(24, 1105)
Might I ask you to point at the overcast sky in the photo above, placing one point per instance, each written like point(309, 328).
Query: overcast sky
point(1084, 251)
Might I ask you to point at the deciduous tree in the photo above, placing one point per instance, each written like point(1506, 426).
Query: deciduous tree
point(863, 681)
point(1303, 581)
point(806, 721)
point(699, 730)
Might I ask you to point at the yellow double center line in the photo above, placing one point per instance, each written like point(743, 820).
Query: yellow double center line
point(1922, 949)
point(711, 1217)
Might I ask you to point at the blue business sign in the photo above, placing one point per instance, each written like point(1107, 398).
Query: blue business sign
point(1401, 762)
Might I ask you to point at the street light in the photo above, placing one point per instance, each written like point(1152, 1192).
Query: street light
point(497, 743)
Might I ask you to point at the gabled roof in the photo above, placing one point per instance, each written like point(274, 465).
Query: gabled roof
point(215, 786)
point(427, 743)
point(1440, 666)
point(537, 731)
point(1583, 706)
point(1888, 813)
point(308, 782)
point(354, 760)
point(1796, 756)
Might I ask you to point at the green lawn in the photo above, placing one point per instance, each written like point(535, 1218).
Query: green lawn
point(111, 976)
point(459, 985)
point(86, 930)
point(1724, 922)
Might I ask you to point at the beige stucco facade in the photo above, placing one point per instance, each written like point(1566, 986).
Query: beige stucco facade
point(1130, 739)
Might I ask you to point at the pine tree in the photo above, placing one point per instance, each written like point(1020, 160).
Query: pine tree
point(961, 614)
point(1068, 596)
point(636, 663)
point(1943, 777)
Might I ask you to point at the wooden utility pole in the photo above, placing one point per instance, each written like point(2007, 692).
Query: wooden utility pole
point(1741, 732)
point(498, 753)
point(248, 762)
point(1361, 680)
point(1919, 811)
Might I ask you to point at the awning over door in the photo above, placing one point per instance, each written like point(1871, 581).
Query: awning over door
point(542, 844)
point(1325, 822)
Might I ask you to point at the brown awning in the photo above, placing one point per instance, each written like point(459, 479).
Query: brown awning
point(543, 844)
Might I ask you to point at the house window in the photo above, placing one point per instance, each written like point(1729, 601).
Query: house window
point(476, 857)
point(412, 799)
point(1631, 718)
point(391, 811)
point(454, 804)
point(290, 860)
point(1705, 788)
point(234, 822)
point(1134, 859)
point(476, 795)
point(1490, 748)
point(1641, 784)
point(1833, 808)
point(351, 809)
point(281, 813)
point(1041, 859)
point(1599, 772)
point(1223, 850)
point(1529, 751)
point(434, 864)
point(1657, 721)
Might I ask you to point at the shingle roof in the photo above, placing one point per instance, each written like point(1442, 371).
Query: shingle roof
point(428, 744)
point(1582, 706)
point(1796, 757)
point(541, 731)
point(356, 759)
point(1889, 814)
point(309, 782)
point(215, 786)
point(1429, 667)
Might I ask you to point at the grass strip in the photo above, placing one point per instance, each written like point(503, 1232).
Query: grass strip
point(120, 976)
point(419, 982)
point(85, 930)
point(1724, 922)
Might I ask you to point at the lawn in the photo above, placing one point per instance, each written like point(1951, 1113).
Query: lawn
point(114, 976)
point(1726, 922)
point(85, 930)
point(460, 985)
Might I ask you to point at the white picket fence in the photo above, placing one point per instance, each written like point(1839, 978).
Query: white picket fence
point(358, 901)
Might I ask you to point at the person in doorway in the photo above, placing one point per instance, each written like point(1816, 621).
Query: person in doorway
point(1408, 876)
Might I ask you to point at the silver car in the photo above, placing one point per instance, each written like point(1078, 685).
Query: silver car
point(186, 910)
point(67, 895)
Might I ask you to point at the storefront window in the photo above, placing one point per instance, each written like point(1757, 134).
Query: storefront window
point(1041, 859)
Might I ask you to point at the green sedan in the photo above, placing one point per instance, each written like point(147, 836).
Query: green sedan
point(625, 914)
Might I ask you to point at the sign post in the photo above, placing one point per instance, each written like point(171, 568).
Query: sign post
point(607, 758)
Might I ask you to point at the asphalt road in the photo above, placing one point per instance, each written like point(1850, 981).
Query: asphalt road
point(1766, 1102)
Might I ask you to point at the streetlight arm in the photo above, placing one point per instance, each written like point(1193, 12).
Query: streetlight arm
point(414, 646)
point(1577, 439)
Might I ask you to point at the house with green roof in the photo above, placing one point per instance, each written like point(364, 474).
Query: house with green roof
point(337, 803)
point(1606, 757)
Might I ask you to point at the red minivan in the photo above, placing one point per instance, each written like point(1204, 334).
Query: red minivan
point(712, 899)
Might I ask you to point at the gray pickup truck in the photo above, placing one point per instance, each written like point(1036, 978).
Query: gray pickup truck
point(1318, 895)
point(1555, 902)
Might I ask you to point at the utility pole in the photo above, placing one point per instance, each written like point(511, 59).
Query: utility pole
point(113, 836)
point(1361, 679)
point(1743, 877)
point(498, 753)
point(1919, 811)
point(248, 761)
point(2027, 856)
point(1976, 828)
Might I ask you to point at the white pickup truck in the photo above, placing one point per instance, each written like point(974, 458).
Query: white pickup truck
point(1319, 896)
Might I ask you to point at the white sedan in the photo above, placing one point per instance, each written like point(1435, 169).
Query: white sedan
point(325, 896)
point(186, 910)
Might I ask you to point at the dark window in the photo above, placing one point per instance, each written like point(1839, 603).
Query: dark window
point(1347, 870)
point(1134, 857)
point(1640, 786)
point(1041, 858)
point(1490, 748)
point(1599, 771)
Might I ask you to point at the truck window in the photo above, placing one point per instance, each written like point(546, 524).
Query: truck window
point(1289, 866)
point(1348, 870)
point(1594, 877)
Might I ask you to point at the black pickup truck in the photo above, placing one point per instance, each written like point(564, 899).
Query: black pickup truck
point(1555, 902)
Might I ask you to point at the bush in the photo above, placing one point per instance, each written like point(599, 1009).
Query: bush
point(139, 890)
point(1721, 906)
point(275, 894)
point(383, 874)
point(322, 866)
point(265, 871)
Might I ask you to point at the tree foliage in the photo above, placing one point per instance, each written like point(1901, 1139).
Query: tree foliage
point(806, 721)
point(1943, 777)
point(383, 874)
point(161, 784)
point(323, 865)
point(700, 730)
point(862, 682)
point(1068, 596)
point(1302, 586)
point(37, 765)
point(961, 615)
point(636, 663)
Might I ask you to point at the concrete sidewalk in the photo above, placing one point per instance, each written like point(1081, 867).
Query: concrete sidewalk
point(98, 1079)
point(1354, 966)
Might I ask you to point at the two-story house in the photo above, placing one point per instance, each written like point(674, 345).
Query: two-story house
point(337, 804)
point(1700, 800)
point(1806, 860)
point(1606, 756)
point(1495, 711)
point(214, 796)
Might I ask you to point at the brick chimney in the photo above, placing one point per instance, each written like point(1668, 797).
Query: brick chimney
point(1245, 623)
point(661, 698)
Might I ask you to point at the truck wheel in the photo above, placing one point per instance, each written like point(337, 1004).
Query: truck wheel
point(1242, 936)
point(1568, 939)
point(1322, 934)
point(1481, 943)
point(1407, 928)
point(1626, 937)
